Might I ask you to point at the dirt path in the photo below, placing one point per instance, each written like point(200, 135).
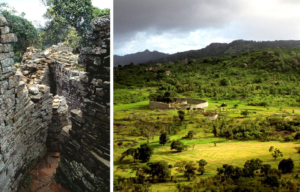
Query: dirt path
point(41, 178)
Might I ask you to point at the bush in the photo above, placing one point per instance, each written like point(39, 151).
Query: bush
point(288, 138)
point(286, 165)
point(224, 82)
point(178, 145)
point(297, 136)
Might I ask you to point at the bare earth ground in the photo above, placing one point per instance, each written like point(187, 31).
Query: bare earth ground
point(42, 176)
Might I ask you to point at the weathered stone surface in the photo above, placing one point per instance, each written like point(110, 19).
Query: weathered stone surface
point(3, 21)
point(23, 130)
point(33, 89)
point(4, 48)
point(4, 30)
point(7, 62)
point(6, 55)
point(8, 38)
point(89, 134)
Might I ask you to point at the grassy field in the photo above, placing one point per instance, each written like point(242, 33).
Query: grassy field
point(225, 152)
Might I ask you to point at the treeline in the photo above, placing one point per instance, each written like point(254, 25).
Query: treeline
point(67, 21)
point(261, 73)
point(253, 176)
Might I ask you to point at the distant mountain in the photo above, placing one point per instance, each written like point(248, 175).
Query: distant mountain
point(139, 57)
point(214, 49)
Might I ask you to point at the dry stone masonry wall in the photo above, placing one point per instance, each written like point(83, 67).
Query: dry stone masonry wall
point(55, 67)
point(25, 112)
point(58, 122)
point(84, 163)
point(32, 121)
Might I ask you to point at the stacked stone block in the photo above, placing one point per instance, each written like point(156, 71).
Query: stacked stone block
point(58, 121)
point(25, 112)
point(55, 67)
point(85, 148)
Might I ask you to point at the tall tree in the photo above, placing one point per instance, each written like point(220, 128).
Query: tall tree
point(77, 14)
point(25, 31)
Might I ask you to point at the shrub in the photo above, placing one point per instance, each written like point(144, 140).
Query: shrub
point(286, 165)
point(288, 138)
point(178, 145)
point(224, 82)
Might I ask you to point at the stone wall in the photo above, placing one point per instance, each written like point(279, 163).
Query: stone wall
point(56, 67)
point(25, 112)
point(193, 103)
point(85, 146)
point(58, 122)
point(183, 103)
point(159, 105)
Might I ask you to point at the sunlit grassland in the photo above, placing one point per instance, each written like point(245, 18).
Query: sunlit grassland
point(202, 146)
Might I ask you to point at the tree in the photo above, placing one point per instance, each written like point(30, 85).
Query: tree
point(72, 39)
point(25, 31)
point(272, 181)
point(164, 138)
point(181, 115)
point(277, 153)
point(191, 134)
point(147, 129)
point(265, 168)
point(131, 151)
point(100, 12)
point(286, 165)
point(215, 131)
point(178, 145)
point(188, 168)
point(77, 14)
point(201, 169)
point(145, 152)
point(159, 169)
point(120, 143)
point(245, 113)
point(162, 96)
point(252, 165)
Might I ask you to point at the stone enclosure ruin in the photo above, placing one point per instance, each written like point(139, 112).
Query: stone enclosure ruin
point(180, 103)
point(56, 101)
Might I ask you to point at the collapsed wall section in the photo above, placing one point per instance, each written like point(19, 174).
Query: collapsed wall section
point(58, 68)
point(85, 147)
point(25, 112)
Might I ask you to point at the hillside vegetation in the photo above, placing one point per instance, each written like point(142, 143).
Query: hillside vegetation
point(252, 146)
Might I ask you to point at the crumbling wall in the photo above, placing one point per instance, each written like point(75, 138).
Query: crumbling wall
point(25, 112)
point(56, 67)
point(85, 147)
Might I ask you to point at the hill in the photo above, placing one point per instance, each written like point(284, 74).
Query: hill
point(139, 57)
point(214, 49)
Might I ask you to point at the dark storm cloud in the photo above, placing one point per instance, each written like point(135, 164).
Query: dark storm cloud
point(156, 16)
point(177, 25)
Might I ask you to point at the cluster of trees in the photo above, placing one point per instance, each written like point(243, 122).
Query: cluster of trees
point(163, 96)
point(160, 171)
point(263, 129)
point(224, 77)
point(142, 153)
point(254, 176)
point(67, 22)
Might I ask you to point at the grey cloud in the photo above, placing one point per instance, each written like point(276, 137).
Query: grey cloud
point(156, 16)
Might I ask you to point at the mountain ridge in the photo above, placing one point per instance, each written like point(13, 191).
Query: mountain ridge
point(211, 50)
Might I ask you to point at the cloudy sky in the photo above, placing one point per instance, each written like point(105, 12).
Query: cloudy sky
point(172, 26)
point(34, 9)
